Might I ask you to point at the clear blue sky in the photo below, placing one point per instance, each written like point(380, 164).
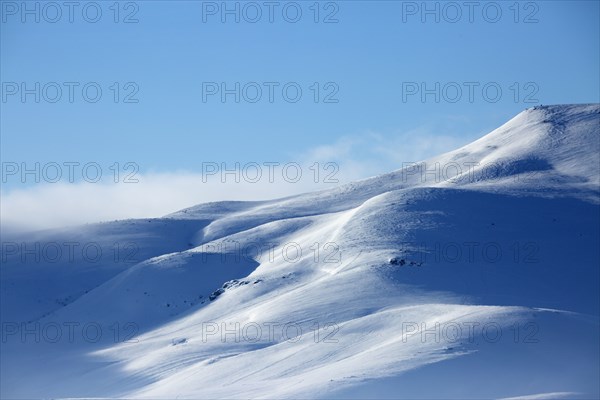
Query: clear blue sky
point(368, 54)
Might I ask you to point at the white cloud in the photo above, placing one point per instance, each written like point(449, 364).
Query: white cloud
point(58, 204)
point(374, 153)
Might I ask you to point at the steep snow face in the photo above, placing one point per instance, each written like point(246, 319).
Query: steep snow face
point(477, 269)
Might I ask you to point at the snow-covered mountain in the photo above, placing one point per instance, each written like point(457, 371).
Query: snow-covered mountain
point(475, 274)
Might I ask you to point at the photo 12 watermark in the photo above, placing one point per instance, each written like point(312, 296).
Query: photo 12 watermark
point(254, 332)
point(269, 172)
point(69, 332)
point(479, 252)
point(263, 251)
point(454, 12)
point(469, 332)
point(270, 92)
point(270, 12)
point(69, 252)
point(467, 172)
point(70, 92)
point(69, 172)
point(70, 12)
point(469, 92)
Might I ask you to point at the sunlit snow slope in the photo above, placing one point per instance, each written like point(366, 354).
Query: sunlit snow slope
point(474, 274)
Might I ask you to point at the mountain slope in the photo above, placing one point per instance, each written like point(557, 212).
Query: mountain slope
point(484, 257)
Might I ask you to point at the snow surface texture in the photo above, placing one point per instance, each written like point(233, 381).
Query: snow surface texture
point(474, 274)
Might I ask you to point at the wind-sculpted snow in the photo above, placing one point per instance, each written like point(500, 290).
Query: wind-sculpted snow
point(472, 274)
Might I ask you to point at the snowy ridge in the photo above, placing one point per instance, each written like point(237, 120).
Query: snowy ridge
point(378, 270)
